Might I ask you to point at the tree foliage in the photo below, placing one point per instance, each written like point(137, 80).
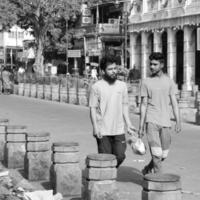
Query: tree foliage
point(48, 20)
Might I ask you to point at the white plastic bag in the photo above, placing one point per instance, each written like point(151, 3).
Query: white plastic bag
point(138, 147)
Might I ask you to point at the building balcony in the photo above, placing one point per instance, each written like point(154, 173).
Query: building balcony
point(104, 29)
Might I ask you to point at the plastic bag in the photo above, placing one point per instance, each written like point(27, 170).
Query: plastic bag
point(138, 147)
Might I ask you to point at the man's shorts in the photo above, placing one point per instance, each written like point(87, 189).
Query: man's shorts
point(159, 139)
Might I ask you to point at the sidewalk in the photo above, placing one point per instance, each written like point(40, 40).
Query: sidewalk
point(71, 123)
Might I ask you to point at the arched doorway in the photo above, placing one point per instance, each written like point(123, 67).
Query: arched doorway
point(164, 50)
point(180, 57)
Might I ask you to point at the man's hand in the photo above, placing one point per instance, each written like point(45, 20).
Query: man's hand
point(178, 127)
point(131, 130)
point(140, 133)
point(96, 133)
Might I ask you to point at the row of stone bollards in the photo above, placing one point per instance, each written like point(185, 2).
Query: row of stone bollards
point(59, 164)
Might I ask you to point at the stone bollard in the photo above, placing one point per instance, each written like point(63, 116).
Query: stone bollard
point(15, 146)
point(198, 113)
point(185, 94)
point(66, 173)
point(101, 174)
point(38, 156)
point(161, 187)
point(3, 124)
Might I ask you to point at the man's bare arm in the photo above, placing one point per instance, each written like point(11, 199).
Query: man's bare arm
point(176, 112)
point(93, 117)
point(143, 109)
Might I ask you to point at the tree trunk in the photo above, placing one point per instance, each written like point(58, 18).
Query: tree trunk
point(39, 59)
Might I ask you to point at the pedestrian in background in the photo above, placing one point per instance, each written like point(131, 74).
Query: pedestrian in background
point(7, 80)
point(109, 111)
point(157, 92)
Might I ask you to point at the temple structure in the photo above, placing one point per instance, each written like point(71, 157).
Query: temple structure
point(171, 27)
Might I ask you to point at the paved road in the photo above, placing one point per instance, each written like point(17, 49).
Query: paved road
point(71, 123)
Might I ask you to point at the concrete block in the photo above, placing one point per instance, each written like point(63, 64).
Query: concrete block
point(2, 146)
point(161, 186)
point(65, 147)
point(37, 165)
point(4, 122)
point(16, 137)
point(2, 129)
point(38, 146)
point(66, 157)
point(16, 129)
point(38, 137)
point(103, 190)
point(198, 118)
point(101, 173)
point(68, 179)
point(15, 155)
point(154, 195)
point(101, 163)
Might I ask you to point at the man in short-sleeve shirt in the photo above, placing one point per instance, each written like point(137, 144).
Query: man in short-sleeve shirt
point(157, 93)
point(109, 111)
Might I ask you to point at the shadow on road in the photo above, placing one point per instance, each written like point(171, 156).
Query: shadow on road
point(129, 174)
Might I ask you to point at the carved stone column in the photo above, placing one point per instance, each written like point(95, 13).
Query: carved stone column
point(145, 55)
point(189, 59)
point(135, 51)
point(157, 43)
point(171, 58)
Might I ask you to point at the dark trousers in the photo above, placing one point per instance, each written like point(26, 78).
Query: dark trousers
point(113, 145)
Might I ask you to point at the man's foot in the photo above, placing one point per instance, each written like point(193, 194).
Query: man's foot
point(147, 170)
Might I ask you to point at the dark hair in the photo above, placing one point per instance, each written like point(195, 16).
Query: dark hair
point(107, 59)
point(157, 56)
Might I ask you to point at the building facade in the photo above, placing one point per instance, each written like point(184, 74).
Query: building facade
point(171, 27)
point(12, 44)
point(104, 25)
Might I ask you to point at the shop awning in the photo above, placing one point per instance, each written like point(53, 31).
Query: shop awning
point(165, 23)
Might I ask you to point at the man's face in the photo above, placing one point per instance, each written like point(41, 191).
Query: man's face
point(155, 67)
point(111, 72)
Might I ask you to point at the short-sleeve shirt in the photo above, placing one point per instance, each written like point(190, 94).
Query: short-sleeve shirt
point(109, 99)
point(158, 91)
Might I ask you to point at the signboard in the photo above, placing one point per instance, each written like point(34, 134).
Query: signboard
point(109, 28)
point(74, 53)
point(94, 52)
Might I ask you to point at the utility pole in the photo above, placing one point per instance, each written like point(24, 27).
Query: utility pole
point(67, 44)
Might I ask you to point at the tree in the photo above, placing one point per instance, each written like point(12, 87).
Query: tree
point(44, 17)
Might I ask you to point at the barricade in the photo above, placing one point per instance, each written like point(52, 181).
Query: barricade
point(3, 124)
point(101, 174)
point(15, 146)
point(72, 96)
point(66, 173)
point(38, 156)
point(161, 187)
point(198, 113)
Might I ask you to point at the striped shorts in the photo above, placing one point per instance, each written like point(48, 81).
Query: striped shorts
point(159, 139)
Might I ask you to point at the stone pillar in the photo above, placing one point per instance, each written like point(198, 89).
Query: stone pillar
point(171, 58)
point(66, 173)
point(157, 42)
point(3, 123)
point(161, 186)
point(198, 113)
point(38, 156)
point(145, 55)
point(135, 51)
point(189, 59)
point(101, 174)
point(15, 146)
